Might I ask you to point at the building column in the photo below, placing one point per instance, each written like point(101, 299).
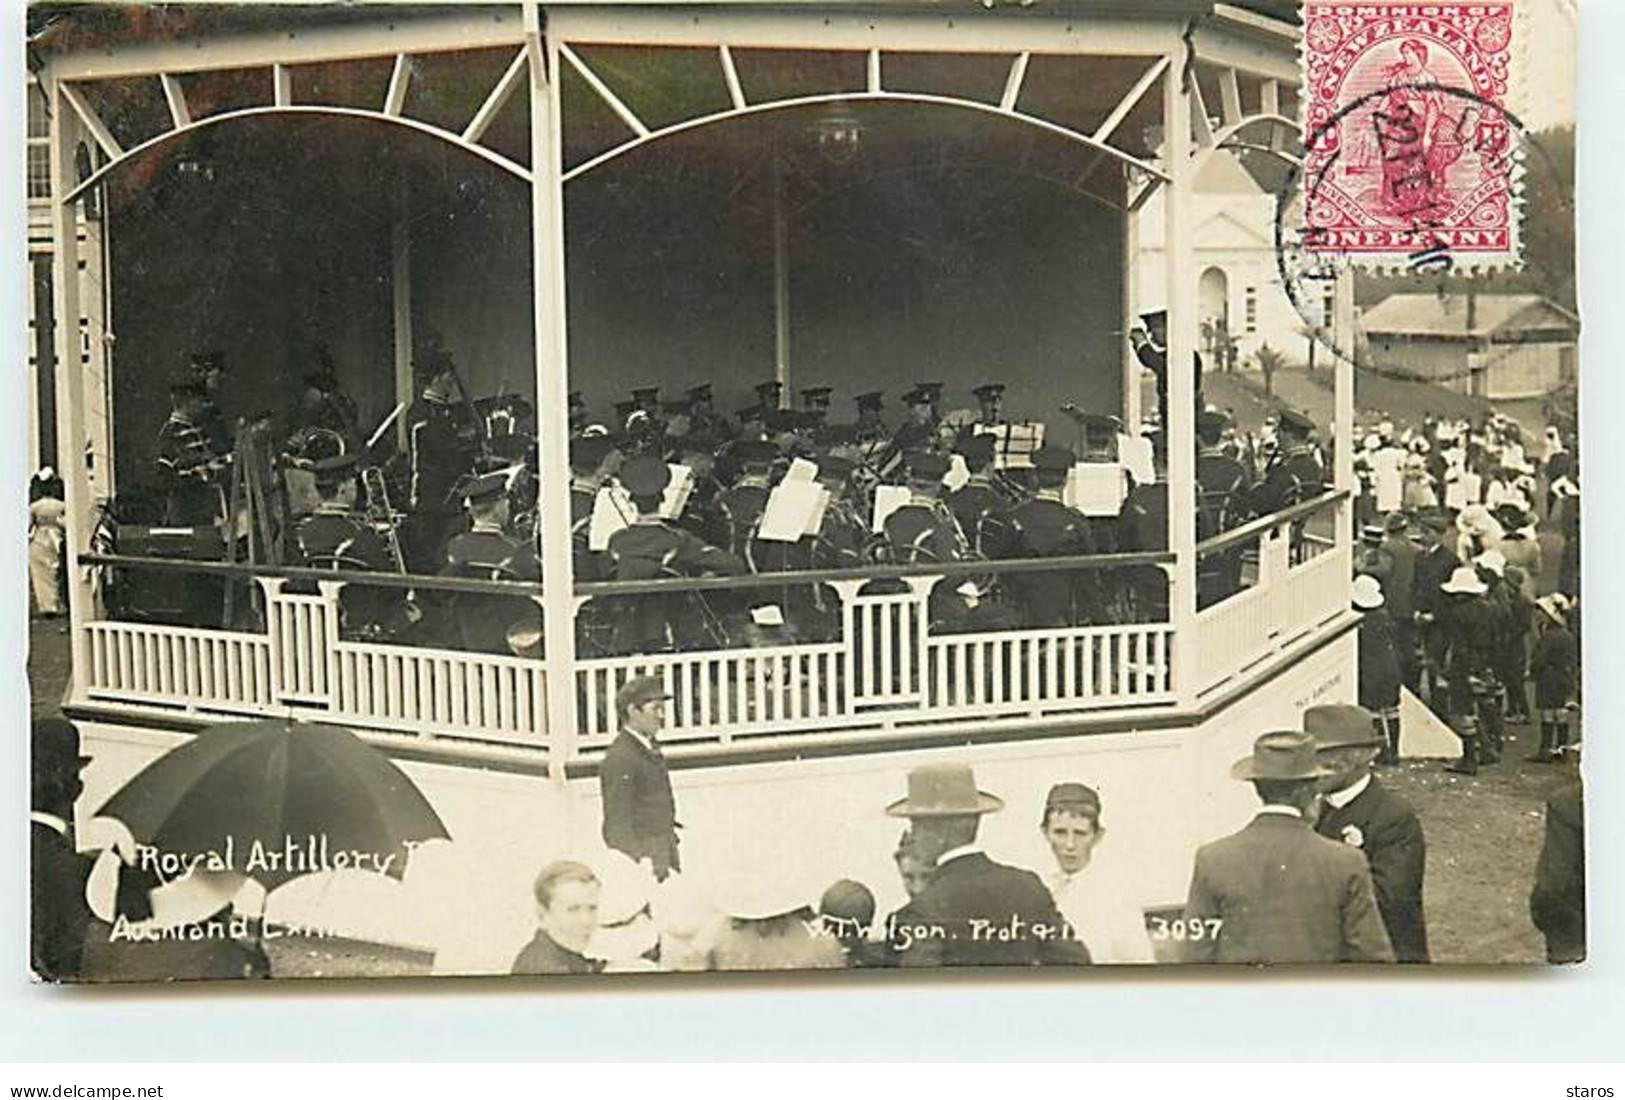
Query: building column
point(1180, 273)
point(400, 286)
point(552, 389)
point(1343, 359)
point(781, 287)
point(70, 374)
point(1132, 413)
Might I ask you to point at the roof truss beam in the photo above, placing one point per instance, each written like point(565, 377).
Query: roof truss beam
point(93, 124)
point(622, 111)
point(505, 87)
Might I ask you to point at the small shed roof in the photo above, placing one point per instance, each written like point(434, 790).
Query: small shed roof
point(1447, 315)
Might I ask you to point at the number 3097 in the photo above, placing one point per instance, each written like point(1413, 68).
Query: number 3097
point(1194, 930)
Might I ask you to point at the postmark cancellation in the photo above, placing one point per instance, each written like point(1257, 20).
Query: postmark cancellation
point(1411, 152)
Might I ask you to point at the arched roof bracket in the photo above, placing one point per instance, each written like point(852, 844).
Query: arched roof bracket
point(993, 110)
point(492, 157)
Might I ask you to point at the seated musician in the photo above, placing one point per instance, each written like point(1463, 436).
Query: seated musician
point(983, 511)
point(924, 531)
point(186, 461)
point(481, 621)
point(1046, 527)
point(651, 548)
point(441, 439)
point(335, 537)
point(1295, 473)
point(1223, 489)
point(917, 433)
point(739, 507)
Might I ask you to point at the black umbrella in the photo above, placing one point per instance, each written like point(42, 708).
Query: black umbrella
point(275, 800)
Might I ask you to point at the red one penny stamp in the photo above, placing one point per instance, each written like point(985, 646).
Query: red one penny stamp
point(1410, 155)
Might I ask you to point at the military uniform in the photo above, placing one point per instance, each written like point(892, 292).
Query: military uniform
point(1223, 489)
point(181, 469)
point(482, 620)
point(652, 548)
point(1044, 527)
point(1296, 474)
point(440, 455)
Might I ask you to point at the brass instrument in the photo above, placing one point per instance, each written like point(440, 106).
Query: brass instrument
point(383, 518)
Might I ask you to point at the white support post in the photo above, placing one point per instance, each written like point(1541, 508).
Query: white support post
point(874, 72)
point(70, 397)
point(781, 286)
point(1203, 124)
point(1013, 82)
point(552, 386)
point(175, 95)
point(1230, 97)
point(399, 77)
point(1180, 431)
point(1133, 414)
point(730, 76)
point(400, 287)
point(282, 85)
point(1343, 402)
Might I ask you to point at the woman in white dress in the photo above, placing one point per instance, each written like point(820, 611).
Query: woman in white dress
point(1095, 902)
point(45, 514)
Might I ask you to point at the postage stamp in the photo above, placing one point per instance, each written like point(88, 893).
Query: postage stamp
point(1410, 153)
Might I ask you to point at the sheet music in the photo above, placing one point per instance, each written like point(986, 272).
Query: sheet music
point(790, 510)
point(1016, 443)
point(1096, 488)
point(1135, 453)
point(612, 510)
point(888, 498)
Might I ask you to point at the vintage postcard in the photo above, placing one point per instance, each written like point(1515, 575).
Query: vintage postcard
point(577, 489)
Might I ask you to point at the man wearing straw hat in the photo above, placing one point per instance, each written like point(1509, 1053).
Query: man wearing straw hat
point(1275, 892)
point(1471, 692)
point(973, 911)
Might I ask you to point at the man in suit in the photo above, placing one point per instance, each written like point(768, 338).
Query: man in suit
point(1359, 811)
point(1274, 892)
point(988, 914)
point(1557, 903)
point(1400, 591)
point(640, 811)
point(61, 917)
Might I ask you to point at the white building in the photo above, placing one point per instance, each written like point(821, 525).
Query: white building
point(1238, 281)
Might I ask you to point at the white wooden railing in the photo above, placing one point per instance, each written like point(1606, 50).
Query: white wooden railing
point(1302, 582)
point(886, 668)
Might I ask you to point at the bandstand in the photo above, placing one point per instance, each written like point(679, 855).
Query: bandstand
point(556, 137)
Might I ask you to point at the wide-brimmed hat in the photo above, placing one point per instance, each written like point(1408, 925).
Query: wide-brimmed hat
point(1340, 726)
point(1554, 611)
point(1465, 581)
point(944, 790)
point(1281, 754)
point(1494, 561)
point(1367, 593)
point(1475, 519)
point(761, 895)
point(626, 927)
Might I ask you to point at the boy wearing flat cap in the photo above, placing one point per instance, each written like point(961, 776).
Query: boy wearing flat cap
point(1359, 811)
point(640, 811)
point(1274, 891)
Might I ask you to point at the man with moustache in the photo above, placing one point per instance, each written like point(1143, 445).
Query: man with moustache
point(1362, 813)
